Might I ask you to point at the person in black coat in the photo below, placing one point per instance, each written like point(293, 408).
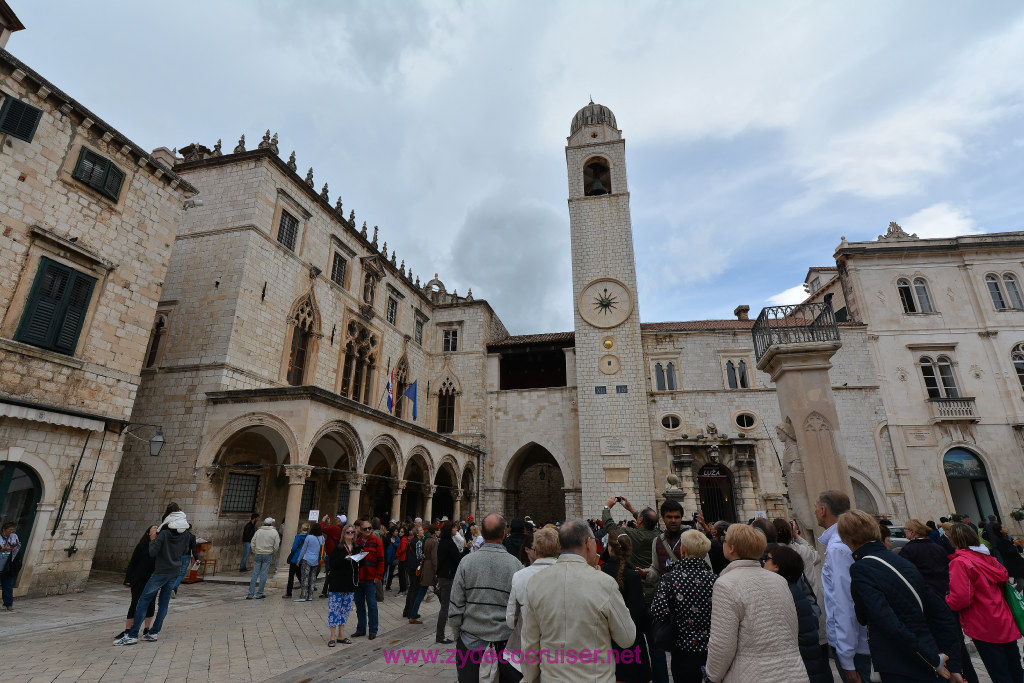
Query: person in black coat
point(911, 632)
point(1009, 554)
point(620, 547)
point(341, 582)
point(517, 534)
point(929, 558)
point(788, 564)
point(448, 558)
point(140, 568)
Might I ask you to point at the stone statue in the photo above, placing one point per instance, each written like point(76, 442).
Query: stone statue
point(216, 149)
point(291, 162)
point(323, 193)
point(309, 177)
point(273, 144)
point(240, 147)
point(265, 144)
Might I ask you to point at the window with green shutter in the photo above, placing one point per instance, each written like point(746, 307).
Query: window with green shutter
point(18, 119)
point(56, 308)
point(99, 173)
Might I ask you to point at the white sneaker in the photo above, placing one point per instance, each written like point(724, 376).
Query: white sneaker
point(126, 640)
point(150, 637)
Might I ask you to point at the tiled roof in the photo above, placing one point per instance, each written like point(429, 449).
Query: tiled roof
point(696, 325)
point(568, 338)
point(824, 268)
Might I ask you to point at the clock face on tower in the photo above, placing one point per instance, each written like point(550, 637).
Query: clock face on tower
point(605, 303)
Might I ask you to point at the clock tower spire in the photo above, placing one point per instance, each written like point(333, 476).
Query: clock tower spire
point(614, 423)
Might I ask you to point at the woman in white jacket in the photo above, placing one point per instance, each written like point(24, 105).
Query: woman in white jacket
point(543, 552)
point(753, 618)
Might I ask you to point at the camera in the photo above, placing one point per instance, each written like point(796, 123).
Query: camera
point(618, 499)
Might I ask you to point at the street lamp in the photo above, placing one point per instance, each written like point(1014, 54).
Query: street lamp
point(156, 442)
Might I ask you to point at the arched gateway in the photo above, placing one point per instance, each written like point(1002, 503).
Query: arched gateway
point(534, 485)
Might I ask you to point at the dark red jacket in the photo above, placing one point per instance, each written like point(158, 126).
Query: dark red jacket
point(332, 534)
point(403, 545)
point(371, 567)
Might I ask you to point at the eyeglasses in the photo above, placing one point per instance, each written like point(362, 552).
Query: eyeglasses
point(350, 531)
point(367, 528)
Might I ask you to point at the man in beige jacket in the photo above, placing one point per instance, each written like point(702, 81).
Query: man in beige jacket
point(573, 613)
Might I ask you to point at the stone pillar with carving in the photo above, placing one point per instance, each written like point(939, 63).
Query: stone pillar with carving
point(815, 455)
point(428, 510)
point(356, 482)
point(457, 510)
point(396, 501)
point(297, 475)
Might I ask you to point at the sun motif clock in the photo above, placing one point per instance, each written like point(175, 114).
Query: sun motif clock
point(605, 303)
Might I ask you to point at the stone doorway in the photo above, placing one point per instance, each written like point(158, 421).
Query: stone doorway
point(717, 501)
point(534, 486)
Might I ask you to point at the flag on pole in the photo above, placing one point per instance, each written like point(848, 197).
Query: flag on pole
point(410, 393)
point(391, 391)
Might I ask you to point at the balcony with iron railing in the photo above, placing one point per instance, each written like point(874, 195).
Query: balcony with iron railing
point(801, 323)
point(960, 409)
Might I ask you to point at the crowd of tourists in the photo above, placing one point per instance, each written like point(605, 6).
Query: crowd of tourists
point(652, 597)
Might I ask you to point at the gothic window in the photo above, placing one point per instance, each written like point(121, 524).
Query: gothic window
point(401, 384)
point(392, 313)
point(996, 292)
point(450, 341)
point(730, 374)
point(1012, 291)
point(670, 376)
point(924, 300)
point(659, 377)
point(597, 178)
point(338, 267)
point(737, 376)
point(357, 372)
point(446, 408)
point(154, 341)
point(939, 380)
point(1018, 362)
point(741, 372)
point(288, 230)
point(301, 342)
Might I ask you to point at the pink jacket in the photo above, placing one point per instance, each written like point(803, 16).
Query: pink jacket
point(976, 592)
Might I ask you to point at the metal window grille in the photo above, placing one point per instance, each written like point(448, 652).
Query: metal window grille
point(338, 270)
point(240, 492)
point(288, 230)
point(392, 310)
point(308, 494)
point(419, 332)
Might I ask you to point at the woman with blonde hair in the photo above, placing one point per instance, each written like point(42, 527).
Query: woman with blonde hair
point(620, 547)
point(341, 582)
point(753, 619)
point(976, 582)
point(543, 553)
point(684, 598)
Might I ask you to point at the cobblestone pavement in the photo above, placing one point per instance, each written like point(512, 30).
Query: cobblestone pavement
point(212, 633)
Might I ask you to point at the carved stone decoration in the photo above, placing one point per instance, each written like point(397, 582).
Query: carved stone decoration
point(902, 374)
point(384, 250)
point(417, 280)
point(337, 207)
point(880, 295)
point(469, 294)
point(401, 268)
point(273, 144)
point(363, 231)
point(400, 485)
point(374, 240)
point(895, 232)
point(265, 143)
point(950, 294)
point(216, 149)
point(430, 490)
point(297, 474)
point(393, 260)
point(240, 147)
point(352, 218)
point(323, 193)
point(193, 154)
point(309, 176)
point(977, 372)
point(712, 430)
point(292, 166)
point(356, 481)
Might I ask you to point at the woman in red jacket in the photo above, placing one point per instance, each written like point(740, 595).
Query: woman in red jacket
point(398, 566)
point(976, 582)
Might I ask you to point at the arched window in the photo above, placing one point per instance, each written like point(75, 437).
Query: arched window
point(906, 295)
point(730, 374)
point(357, 373)
point(446, 408)
point(998, 300)
point(670, 376)
point(1017, 355)
point(1012, 291)
point(939, 380)
point(597, 178)
point(659, 377)
point(924, 300)
point(302, 335)
point(742, 372)
point(154, 341)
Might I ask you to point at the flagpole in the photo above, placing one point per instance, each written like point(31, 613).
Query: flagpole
point(387, 373)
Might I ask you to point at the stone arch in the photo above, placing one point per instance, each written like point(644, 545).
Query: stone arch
point(537, 468)
point(42, 471)
point(969, 492)
point(389, 448)
point(446, 479)
point(440, 378)
point(268, 424)
point(820, 437)
point(421, 452)
point(597, 176)
point(876, 498)
point(453, 465)
point(306, 311)
point(567, 472)
point(345, 433)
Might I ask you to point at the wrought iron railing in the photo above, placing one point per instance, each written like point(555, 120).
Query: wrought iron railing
point(953, 408)
point(813, 322)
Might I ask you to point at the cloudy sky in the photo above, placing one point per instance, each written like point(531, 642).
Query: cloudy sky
point(757, 133)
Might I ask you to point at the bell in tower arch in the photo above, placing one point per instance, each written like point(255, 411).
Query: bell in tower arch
point(597, 179)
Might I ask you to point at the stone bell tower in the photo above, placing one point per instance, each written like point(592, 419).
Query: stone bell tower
point(615, 435)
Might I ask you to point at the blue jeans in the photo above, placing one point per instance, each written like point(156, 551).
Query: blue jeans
point(7, 582)
point(414, 611)
point(1001, 660)
point(366, 597)
point(158, 583)
point(186, 560)
point(260, 567)
point(659, 666)
point(246, 549)
point(861, 663)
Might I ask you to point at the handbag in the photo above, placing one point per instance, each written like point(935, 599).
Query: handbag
point(1016, 603)
point(663, 634)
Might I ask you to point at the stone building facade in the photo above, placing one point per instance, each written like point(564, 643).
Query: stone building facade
point(87, 220)
point(282, 320)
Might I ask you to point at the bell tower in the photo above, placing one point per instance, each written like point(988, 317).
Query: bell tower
point(614, 427)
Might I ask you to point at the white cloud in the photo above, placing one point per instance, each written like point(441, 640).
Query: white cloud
point(793, 295)
point(940, 220)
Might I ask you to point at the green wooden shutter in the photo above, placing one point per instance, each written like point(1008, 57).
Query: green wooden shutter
point(90, 168)
point(113, 182)
point(56, 308)
point(74, 314)
point(19, 119)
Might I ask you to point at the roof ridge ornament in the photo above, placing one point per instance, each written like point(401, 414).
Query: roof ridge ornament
point(273, 144)
point(240, 147)
point(323, 194)
point(895, 232)
point(265, 144)
point(216, 149)
point(309, 177)
point(292, 166)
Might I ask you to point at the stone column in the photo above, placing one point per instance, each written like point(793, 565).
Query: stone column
point(428, 510)
point(355, 486)
point(457, 510)
point(815, 456)
point(396, 501)
point(297, 475)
